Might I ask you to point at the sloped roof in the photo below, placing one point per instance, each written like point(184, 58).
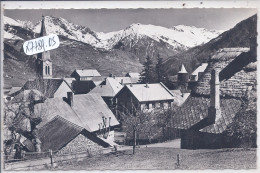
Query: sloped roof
point(90, 109)
point(46, 86)
point(234, 80)
point(195, 109)
point(87, 111)
point(69, 80)
point(57, 133)
point(135, 75)
point(182, 69)
point(56, 106)
point(200, 69)
point(154, 92)
point(108, 88)
point(88, 72)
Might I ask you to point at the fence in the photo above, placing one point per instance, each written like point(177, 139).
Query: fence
point(40, 160)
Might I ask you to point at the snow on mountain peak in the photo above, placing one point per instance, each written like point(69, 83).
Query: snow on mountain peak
point(61, 26)
point(10, 21)
point(175, 37)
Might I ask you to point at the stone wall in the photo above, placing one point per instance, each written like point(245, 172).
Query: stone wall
point(81, 144)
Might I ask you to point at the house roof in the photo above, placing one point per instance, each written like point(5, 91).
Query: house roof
point(90, 109)
point(69, 80)
point(200, 69)
point(154, 92)
point(46, 86)
point(195, 109)
point(135, 75)
point(108, 88)
point(57, 133)
point(86, 112)
point(88, 72)
point(234, 79)
point(56, 106)
point(182, 69)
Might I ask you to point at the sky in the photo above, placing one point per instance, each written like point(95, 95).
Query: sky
point(107, 20)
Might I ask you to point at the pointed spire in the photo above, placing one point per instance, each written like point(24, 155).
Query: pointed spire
point(43, 29)
point(44, 55)
point(182, 69)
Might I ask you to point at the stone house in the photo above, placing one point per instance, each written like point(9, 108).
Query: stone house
point(216, 99)
point(65, 137)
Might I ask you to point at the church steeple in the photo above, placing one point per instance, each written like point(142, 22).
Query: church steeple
point(43, 62)
point(43, 29)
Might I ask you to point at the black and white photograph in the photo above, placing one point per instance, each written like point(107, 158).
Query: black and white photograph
point(129, 89)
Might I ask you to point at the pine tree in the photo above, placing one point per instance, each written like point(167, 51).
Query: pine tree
point(147, 75)
point(161, 76)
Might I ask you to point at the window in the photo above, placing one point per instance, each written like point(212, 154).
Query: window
point(153, 105)
point(147, 106)
point(46, 70)
point(161, 104)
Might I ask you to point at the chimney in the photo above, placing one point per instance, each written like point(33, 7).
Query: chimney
point(214, 109)
point(122, 81)
point(70, 98)
point(146, 85)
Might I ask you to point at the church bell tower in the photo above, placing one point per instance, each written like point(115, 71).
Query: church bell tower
point(43, 61)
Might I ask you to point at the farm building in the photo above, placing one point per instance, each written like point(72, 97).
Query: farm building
point(144, 96)
point(85, 74)
point(216, 99)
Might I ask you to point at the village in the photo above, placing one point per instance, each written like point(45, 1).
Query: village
point(87, 114)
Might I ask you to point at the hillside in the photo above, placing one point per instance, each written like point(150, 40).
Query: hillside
point(239, 36)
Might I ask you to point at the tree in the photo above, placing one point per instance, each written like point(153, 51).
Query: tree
point(20, 118)
point(139, 122)
point(161, 76)
point(147, 75)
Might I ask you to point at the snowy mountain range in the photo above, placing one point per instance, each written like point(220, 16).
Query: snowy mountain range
point(177, 37)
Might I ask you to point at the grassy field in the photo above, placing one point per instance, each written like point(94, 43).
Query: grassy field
point(165, 158)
